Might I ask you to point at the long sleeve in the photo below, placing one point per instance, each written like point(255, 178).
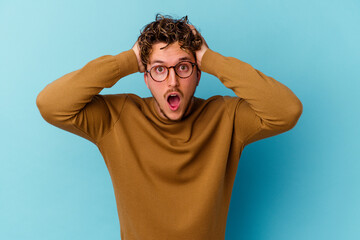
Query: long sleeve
point(265, 107)
point(73, 103)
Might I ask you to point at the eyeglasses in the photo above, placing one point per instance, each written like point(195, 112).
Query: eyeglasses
point(160, 72)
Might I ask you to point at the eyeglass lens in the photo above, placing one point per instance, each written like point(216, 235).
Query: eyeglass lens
point(182, 69)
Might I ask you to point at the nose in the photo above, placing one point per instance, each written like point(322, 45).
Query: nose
point(172, 80)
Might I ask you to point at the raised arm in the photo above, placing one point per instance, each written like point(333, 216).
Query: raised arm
point(73, 103)
point(265, 107)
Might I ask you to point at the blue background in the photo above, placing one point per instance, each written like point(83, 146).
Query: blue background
point(303, 184)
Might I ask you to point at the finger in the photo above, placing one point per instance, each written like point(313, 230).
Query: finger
point(193, 29)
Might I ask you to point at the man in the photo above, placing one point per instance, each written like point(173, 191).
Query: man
point(172, 157)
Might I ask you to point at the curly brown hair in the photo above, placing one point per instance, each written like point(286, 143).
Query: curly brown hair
point(168, 30)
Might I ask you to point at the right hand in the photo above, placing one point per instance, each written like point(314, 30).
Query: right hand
point(136, 49)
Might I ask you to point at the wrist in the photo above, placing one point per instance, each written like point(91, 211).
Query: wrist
point(199, 56)
point(136, 51)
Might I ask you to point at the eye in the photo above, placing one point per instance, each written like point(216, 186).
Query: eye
point(183, 67)
point(159, 69)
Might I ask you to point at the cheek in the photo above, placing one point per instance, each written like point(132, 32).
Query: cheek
point(156, 90)
point(190, 85)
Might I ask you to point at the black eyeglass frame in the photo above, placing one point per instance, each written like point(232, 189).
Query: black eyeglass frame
point(168, 70)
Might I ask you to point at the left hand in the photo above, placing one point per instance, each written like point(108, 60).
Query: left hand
point(199, 53)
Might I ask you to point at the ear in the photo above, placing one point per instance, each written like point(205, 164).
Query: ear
point(198, 77)
point(146, 80)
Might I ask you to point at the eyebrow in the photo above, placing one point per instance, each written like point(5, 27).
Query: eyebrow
point(185, 58)
point(157, 61)
point(180, 59)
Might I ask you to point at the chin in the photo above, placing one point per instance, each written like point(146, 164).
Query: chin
point(173, 116)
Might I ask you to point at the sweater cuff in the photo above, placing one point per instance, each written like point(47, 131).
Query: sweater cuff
point(208, 61)
point(127, 63)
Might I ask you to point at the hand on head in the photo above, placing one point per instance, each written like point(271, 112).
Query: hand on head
point(199, 53)
point(136, 49)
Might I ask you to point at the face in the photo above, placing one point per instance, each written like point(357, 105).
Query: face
point(173, 97)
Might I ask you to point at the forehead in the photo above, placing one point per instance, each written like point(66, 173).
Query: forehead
point(171, 54)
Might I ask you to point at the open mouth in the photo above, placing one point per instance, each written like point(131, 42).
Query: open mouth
point(173, 101)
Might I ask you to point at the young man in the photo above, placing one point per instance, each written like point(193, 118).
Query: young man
point(172, 157)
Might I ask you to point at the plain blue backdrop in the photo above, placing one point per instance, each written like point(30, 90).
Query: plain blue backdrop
point(303, 184)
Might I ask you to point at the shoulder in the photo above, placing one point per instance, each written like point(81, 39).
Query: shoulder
point(225, 105)
point(218, 101)
point(117, 101)
point(117, 98)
